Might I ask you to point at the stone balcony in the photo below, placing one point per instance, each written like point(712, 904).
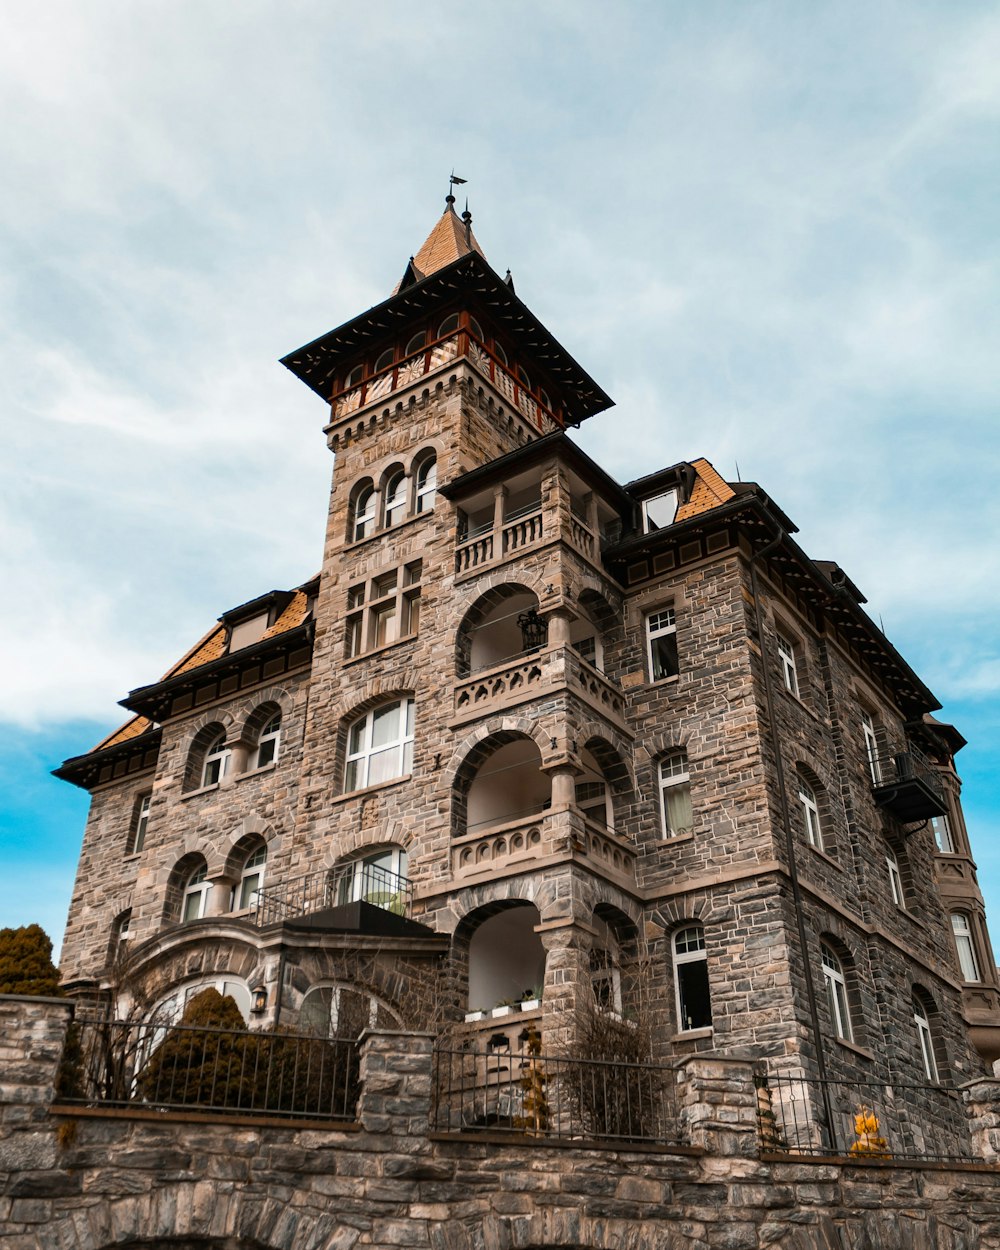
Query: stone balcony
point(528, 529)
point(522, 678)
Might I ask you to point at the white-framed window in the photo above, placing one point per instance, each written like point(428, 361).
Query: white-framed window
point(786, 658)
point(140, 823)
point(942, 835)
point(266, 751)
point(925, 1041)
point(675, 794)
point(426, 485)
point(355, 377)
point(870, 735)
point(217, 757)
point(380, 745)
point(394, 499)
point(660, 511)
point(363, 523)
point(895, 878)
point(197, 888)
point(965, 946)
point(384, 610)
point(120, 934)
point(251, 879)
point(379, 879)
point(694, 1000)
point(594, 802)
point(810, 814)
point(661, 644)
point(836, 994)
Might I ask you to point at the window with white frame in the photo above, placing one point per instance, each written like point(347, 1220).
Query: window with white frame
point(661, 644)
point(836, 994)
point(965, 946)
point(140, 823)
point(925, 1041)
point(660, 511)
point(197, 888)
point(593, 800)
point(870, 735)
point(810, 813)
point(251, 880)
point(694, 1000)
point(942, 835)
point(675, 794)
point(786, 658)
point(380, 745)
point(895, 878)
point(217, 757)
point(394, 499)
point(426, 485)
point(363, 522)
point(384, 610)
point(120, 933)
point(379, 878)
point(266, 751)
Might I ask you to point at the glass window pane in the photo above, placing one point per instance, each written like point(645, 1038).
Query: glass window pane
point(694, 997)
point(385, 725)
point(352, 779)
point(677, 801)
point(384, 765)
point(664, 656)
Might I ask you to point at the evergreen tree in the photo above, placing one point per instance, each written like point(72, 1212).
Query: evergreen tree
point(26, 965)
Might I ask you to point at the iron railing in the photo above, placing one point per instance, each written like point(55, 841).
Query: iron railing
point(870, 1119)
point(333, 887)
point(178, 1067)
point(536, 1095)
point(906, 783)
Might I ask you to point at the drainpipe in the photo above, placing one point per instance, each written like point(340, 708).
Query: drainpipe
point(789, 836)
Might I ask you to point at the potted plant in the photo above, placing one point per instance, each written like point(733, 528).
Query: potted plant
point(503, 1008)
point(531, 999)
point(475, 1013)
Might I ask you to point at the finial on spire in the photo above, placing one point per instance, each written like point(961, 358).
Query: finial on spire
point(467, 218)
point(453, 182)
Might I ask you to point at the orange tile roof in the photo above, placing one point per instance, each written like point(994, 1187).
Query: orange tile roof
point(445, 243)
point(709, 491)
point(211, 647)
point(131, 729)
point(293, 616)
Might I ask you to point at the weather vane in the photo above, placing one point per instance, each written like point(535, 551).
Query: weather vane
point(453, 182)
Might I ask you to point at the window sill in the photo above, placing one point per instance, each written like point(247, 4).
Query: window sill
point(863, 1051)
point(693, 1035)
point(133, 857)
point(385, 530)
point(671, 839)
point(193, 794)
point(834, 863)
point(664, 681)
point(375, 651)
point(381, 785)
point(256, 772)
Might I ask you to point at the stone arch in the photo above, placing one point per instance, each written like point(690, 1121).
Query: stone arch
point(211, 727)
point(570, 1228)
point(252, 830)
point(184, 956)
point(493, 591)
point(612, 752)
point(528, 788)
point(183, 868)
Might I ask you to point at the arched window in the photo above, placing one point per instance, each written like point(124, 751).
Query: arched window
point(895, 878)
point(379, 878)
point(140, 823)
point(384, 360)
point(354, 378)
point(394, 498)
point(965, 946)
point(448, 326)
point(217, 758)
point(810, 813)
point(251, 879)
point(343, 1011)
point(266, 751)
point(120, 933)
point(197, 887)
point(380, 745)
point(499, 352)
point(925, 1039)
point(694, 1001)
point(416, 343)
point(363, 513)
point(836, 993)
point(675, 794)
point(426, 485)
point(476, 328)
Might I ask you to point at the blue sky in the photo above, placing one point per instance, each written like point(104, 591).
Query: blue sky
point(768, 230)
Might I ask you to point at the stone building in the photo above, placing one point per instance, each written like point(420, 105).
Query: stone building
point(538, 759)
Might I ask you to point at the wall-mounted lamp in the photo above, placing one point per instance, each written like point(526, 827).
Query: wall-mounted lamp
point(534, 630)
point(259, 1003)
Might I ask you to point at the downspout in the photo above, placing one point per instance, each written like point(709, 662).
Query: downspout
point(789, 837)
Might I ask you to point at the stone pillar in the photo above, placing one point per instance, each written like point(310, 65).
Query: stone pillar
point(559, 627)
point(982, 1106)
point(717, 1104)
point(32, 1036)
point(396, 1086)
point(563, 786)
point(567, 981)
point(499, 503)
point(219, 897)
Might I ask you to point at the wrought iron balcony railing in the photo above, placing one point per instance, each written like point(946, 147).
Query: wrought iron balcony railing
point(333, 887)
point(904, 784)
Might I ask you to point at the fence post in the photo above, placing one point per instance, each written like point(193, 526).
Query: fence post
point(396, 1082)
point(982, 1106)
point(32, 1037)
point(717, 1103)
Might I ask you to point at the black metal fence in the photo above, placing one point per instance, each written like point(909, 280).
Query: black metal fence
point(546, 1096)
point(180, 1067)
point(867, 1120)
point(368, 883)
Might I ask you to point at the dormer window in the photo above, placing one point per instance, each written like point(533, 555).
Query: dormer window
point(660, 511)
point(246, 633)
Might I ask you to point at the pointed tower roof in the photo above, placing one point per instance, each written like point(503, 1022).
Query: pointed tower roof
point(451, 238)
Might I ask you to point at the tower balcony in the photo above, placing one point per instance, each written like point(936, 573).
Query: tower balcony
point(488, 540)
point(905, 786)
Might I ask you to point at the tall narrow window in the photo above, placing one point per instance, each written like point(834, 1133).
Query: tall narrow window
point(606, 980)
point(196, 891)
point(267, 744)
point(675, 794)
point(942, 835)
point(216, 761)
point(871, 746)
point(786, 658)
point(661, 640)
point(380, 745)
point(694, 1002)
point(965, 946)
point(925, 1041)
point(810, 814)
point(251, 879)
point(836, 994)
point(592, 800)
point(895, 879)
point(426, 485)
point(140, 823)
point(394, 506)
point(364, 513)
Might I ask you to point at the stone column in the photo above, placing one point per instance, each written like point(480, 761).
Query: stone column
point(32, 1036)
point(559, 626)
point(717, 1103)
point(219, 897)
point(499, 503)
point(982, 1106)
point(567, 982)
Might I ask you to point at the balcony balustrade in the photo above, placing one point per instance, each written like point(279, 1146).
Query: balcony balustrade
point(334, 887)
point(484, 545)
point(904, 785)
point(541, 834)
point(532, 674)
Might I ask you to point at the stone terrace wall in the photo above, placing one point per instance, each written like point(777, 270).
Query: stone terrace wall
point(73, 1179)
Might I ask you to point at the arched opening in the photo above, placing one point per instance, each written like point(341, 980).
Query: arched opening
point(490, 633)
point(507, 784)
point(604, 784)
point(208, 758)
point(380, 877)
point(506, 957)
point(614, 969)
point(344, 1010)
